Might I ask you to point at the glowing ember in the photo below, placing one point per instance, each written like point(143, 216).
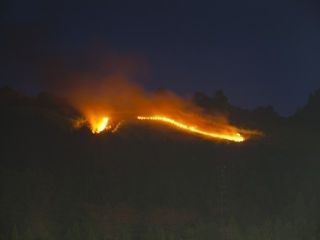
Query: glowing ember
point(235, 137)
point(99, 125)
point(116, 128)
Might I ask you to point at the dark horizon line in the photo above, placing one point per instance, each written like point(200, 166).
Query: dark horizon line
point(37, 92)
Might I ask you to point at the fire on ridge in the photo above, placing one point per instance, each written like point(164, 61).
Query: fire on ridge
point(233, 136)
point(105, 106)
point(102, 124)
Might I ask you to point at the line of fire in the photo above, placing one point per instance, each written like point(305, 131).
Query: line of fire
point(105, 124)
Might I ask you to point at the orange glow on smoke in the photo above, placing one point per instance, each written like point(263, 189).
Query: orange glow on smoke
point(234, 136)
point(106, 104)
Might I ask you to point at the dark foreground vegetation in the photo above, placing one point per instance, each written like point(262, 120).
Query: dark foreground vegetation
point(148, 182)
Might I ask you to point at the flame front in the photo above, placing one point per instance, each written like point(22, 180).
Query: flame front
point(235, 137)
point(105, 105)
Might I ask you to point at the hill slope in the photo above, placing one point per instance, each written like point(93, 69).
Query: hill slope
point(146, 182)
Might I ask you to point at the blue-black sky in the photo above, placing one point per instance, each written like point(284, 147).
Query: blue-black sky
point(258, 52)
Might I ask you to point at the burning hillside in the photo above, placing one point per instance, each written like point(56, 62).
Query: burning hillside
point(108, 105)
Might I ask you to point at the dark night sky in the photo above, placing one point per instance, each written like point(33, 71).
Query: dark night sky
point(258, 52)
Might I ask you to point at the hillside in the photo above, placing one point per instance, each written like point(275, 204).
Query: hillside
point(148, 181)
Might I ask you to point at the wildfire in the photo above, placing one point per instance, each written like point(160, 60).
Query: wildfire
point(235, 137)
point(106, 104)
point(99, 125)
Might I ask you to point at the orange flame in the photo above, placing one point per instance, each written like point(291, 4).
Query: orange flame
point(235, 137)
point(99, 125)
